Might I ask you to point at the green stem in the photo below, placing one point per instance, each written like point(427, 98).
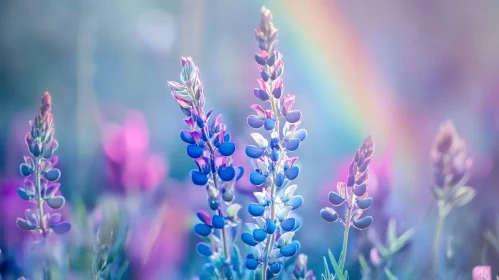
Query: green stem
point(46, 272)
point(344, 248)
point(436, 243)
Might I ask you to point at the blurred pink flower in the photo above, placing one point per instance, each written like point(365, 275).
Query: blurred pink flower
point(130, 165)
point(482, 272)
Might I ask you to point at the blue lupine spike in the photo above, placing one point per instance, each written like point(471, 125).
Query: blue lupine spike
point(288, 250)
point(270, 226)
point(363, 222)
point(365, 203)
point(218, 222)
point(240, 173)
point(292, 173)
point(254, 151)
point(295, 202)
point(198, 178)
point(275, 268)
point(256, 209)
point(61, 228)
point(52, 175)
point(55, 202)
point(248, 239)
point(274, 154)
point(360, 190)
point(259, 235)
point(186, 136)
point(293, 144)
point(335, 199)
point(22, 194)
point(227, 174)
point(297, 225)
point(204, 249)
point(255, 122)
point(279, 179)
point(293, 116)
point(257, 178)
point(364, 166)
point(251, 264)
point(25, 170)
point(269, 124)
point(194, 151)
point(227, 149)
point(301, 134)
point(288, 224)
point(329, 216)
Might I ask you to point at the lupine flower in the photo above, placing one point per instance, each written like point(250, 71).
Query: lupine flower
point(271, 237)
point(482, 272)
point(353, 194)
point(451, 165)
point(209, 144)
point(40, 183)
point(300, 271)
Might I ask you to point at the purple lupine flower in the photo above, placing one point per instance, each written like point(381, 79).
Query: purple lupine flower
point(40, 183)
point(353, 194)
point(271, 236)
point(210, 145)
point(300, 271)
point(482, 272)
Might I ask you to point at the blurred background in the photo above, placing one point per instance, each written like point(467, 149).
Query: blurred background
point(395, 70)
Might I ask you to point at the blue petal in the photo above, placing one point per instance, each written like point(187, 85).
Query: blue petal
point(227, 149)
point(248, 239)
point(194, 151)
point(265, 75)
point(263, 95)
point(259, 235)
point(198, 178)
point(186, 136)
point(277, 92)
point(186, 112)
point(301, 134)
point(218, 221)
point(269, 124)
point(270, 226)
point(328, 216)
point(360, 190)
point(279, 179)
point(255, 122)
point(227, 174)
point(254, 151)
point(363, 223)
point(293, 116)
point(288, 250)
point(297, 244)
point(22, 194)
point(365, 203)
point(202, 229)
point(227, 137)
point(260, 60)
point(55, 202)
point(293, 144)
point(297, 225)
point(241, 172)
point(204, 249)
point(335, 199)
point(275, 268)
point(213, 204)
point(292, 173)
point(61, 228)
point(251, 264)
point(52, 175)
point(24, 225)
point(288, 224)
point(274, 154)
point(295, 202)
point(257, 178)
point(25, 170)
point(256, 209)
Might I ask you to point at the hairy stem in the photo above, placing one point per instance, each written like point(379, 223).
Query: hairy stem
point(436, 243)
point(46, 272)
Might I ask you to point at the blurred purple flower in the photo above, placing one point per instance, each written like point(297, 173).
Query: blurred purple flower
point(130, 165)
point(482, 272)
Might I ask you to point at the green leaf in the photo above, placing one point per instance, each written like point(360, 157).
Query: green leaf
point(403, 239)
point(363, 265)
point(337, 269)
point(391, 233)
point(389, 275)
point(326, 270)
point(463, 195)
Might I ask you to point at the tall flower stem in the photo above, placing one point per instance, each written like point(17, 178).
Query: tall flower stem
point(46, 272)
point(436, 243)
point(344, 248)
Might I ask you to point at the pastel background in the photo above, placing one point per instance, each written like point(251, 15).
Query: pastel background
point(395, 69)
